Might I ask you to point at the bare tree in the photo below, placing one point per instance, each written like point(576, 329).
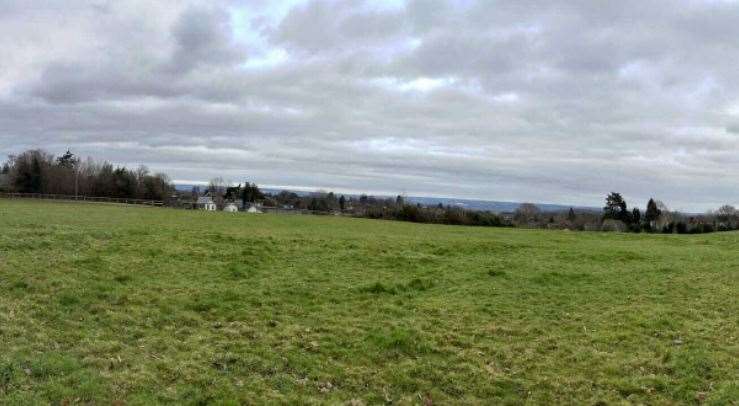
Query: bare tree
point(665, 216)
point(217, 190)
point(727, 217)
point(527, 214)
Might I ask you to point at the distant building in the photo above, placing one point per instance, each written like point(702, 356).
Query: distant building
point(253, 209)
point(206, 203)
point(231, 208)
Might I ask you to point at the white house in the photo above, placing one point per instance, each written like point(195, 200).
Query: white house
point(206, 203)
point(253, 209)
point(231, 208)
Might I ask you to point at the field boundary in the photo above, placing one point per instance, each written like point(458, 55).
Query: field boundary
point(91, 199)
point(151, 203)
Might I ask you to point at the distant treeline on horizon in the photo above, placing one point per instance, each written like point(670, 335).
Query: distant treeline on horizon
point(470, 204)
point(38, 172)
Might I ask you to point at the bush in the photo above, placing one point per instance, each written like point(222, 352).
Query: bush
point(410, 213)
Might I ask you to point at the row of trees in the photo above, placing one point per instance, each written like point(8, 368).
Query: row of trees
point(36, 171)
point(616, 209)
point(616, 216)
point(331, 203)
point(528, 215)
point(658, 218)
point(384, 208)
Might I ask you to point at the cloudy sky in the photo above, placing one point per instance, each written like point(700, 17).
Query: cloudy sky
point(546, 101)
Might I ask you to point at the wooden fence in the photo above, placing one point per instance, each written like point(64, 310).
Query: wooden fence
point(41, 196)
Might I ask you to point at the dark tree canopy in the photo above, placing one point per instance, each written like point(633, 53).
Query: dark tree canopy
point(251, 193)
point(36, 171)
point(653, 212)
point(615, 207)
point(68, 160)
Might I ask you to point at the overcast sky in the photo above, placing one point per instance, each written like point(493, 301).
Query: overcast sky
point(545, 101)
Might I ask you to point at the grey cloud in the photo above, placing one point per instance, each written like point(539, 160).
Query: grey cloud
point(558, 101)
point(336, 25)
point(202, 39)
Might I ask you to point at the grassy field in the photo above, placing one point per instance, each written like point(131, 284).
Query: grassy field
point(125, 305)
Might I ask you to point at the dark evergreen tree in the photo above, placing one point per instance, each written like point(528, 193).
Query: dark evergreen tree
point(331, 201)
point(68, 160)
point(36, 175)
point(653, 212)
point(233, 192)
point(251, 194)
point(636, 215)
point(124, 183)
point(615, 208)
point(29, 171)
point(103, 182)
point(246, 195)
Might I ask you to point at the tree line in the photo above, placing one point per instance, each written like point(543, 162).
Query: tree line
point(616, 216)
point(36, 171)
point(330, 203)
point(658, 218)
point(388, 209)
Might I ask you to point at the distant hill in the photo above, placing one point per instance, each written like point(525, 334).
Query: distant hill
point(471, 204)
point(491, 205)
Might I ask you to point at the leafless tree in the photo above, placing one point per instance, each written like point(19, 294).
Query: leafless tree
point(527, 214)
point(217, 190)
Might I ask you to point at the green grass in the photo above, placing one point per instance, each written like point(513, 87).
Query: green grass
point(104, 304)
